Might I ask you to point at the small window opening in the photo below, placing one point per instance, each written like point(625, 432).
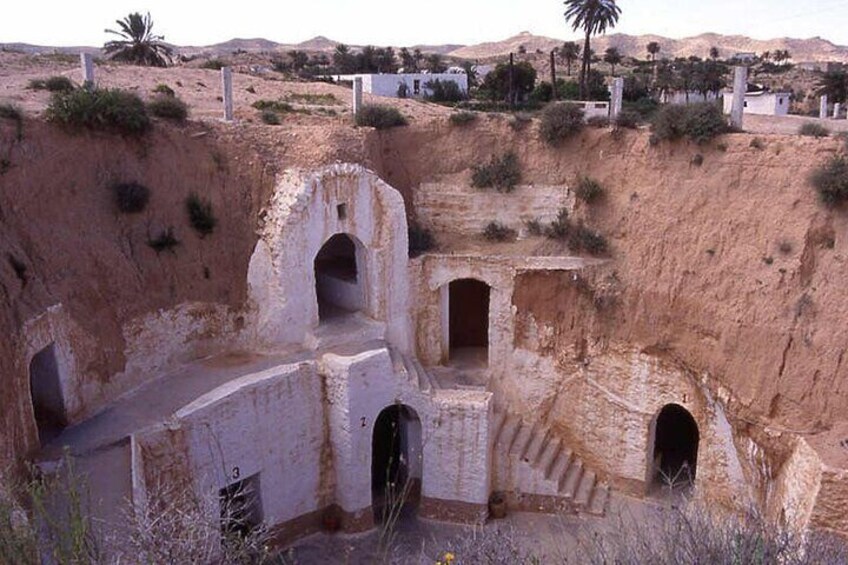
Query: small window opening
point(341, 210)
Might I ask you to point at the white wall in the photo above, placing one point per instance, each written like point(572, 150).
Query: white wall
point(767, 104)
point(387, 84)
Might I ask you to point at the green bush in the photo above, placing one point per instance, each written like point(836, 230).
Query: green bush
point(699, 122)
point(560, 121)
point(589, 190)
point(598, 122)
point(831, 181)
point(278, 106)
point(496, 231)
point(168, 107)
point(130, 197)
point(559, 228)
point(501, 173)
point(165, 241)
point(813, 129)
point(462, 118)
point(270, 117)
point(379, 117)
point(200, 215)
point(52, 84)
point(115, 110)
point(164, 89)
point(443, 91)
point(585, 239)
point(420, 240)
point(628, 119)
point(214, 64)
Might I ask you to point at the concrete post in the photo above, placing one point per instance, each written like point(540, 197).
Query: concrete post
point(617, 97)
point(823, 107)
point(357, 95)
point(87, 64)
point(227, 82)
point(740, 87)
point(837, 108)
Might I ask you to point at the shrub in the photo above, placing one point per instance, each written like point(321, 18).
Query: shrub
point(443, 91)
point(420, 240)
point(520, 120)
point(52, 84)
point(813, 129)
point(278, 106)
point(214, 64)
point(13, 113)
point(627, 119)
point(200, 215)
point(699, 122)
point(379, 117)
point(534, 227)
point(560, 121)
point(756, 143)
point(164, 89)
point(270, 117)
point(559, 228)
point(598, 121)
point(589, 190)
point(501, 173)
point(115, 110)
point(165, 241)
point(462, 118)
point(496, 231)
point(585, 239)
point(130, 197)
point(328, 99)
point(168, 107)
point(831, 181)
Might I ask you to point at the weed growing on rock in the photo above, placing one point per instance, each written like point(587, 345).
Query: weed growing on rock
point(130, 197)
point(501, 173)
point(379, 117)
point(420, 240)
point(200, 215)
point(114, 110)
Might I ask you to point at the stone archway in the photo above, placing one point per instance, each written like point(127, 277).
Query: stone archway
point(675, 447)
point(396, 461)
point(339, 277)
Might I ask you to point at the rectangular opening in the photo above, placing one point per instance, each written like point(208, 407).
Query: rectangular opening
point(416, 86)
point(341, 210)
point(241, 508)
point(45, 386)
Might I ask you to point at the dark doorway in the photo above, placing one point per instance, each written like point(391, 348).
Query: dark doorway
point(675, 447)
point(337, 278)
point(469, 321)
point(395, 462)
point(241, 508)
point(45, 387)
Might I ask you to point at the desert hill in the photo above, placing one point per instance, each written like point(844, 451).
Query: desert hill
point(813, 49)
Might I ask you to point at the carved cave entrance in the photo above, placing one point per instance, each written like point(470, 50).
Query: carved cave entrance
point(396, 458)
point(339, 278)
point(45, 388)
point(675, 453)
point(468, 322)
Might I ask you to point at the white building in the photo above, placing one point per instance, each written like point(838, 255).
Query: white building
point(683, 97)
point(392, 85)
point(761, 102)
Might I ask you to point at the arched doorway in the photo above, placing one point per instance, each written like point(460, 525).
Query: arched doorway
point(45, 388)
point(468, 322)
point(338, 278)
point(396, 459)
point(675, 453)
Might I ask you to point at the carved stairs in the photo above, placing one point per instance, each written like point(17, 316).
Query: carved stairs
point(536, 470)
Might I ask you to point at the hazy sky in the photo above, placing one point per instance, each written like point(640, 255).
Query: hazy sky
point(397, 22)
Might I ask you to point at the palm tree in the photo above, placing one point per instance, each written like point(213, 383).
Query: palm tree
point(613, 58)
point(835, 85)
point(593, 17)
point(653, 48)
point(713, 53)
point(766, 55)
point(569, 51)
point(139, 45)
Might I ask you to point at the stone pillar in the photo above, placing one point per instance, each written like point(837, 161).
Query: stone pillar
point(357, 95)
point(837, 107)
point(617, 97)
point(87, 64)
point(740, 87)
point(823, 107)
point(227, 81)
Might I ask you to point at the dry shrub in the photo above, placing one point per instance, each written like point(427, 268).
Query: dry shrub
point(379, 117)
point(501, 173)
point(589, 190)
point(831, 181)
point(560, 121)
point(116, 111)
point(812, 129)
point(495, 231)
point(169, 107)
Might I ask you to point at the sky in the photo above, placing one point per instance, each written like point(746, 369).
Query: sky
point(396, 22)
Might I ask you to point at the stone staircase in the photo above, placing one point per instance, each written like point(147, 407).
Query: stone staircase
point(536, 471)
point(417, 375)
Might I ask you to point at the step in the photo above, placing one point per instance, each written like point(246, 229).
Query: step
point(508, 433)
point(430, 379)
point(584, 490)
point(598, 504)
point(522, 441)
point(497, 424)
point(560, 467)
point(548, 457)
point(536, 445)
point(569, 484)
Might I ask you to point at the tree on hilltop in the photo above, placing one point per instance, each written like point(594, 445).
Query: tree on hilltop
point(139, 45)
point(593, 17)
